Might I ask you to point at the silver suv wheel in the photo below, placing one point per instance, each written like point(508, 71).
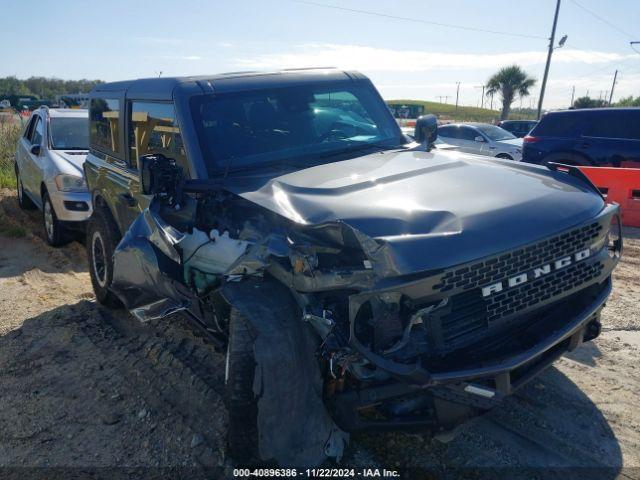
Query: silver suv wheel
point(48, 220)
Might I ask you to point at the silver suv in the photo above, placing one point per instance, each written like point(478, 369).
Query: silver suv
point(49, 174)
point(482, 139)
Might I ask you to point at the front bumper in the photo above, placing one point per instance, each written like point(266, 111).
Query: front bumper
point(504, 343)
point(456, 395)
point(71, 206)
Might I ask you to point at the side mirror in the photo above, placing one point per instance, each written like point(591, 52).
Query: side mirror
point(159, 175)
point(479, 138)
point(35, 150)
point(426, 129)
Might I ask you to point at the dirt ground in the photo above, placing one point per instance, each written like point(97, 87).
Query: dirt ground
point(85, 387)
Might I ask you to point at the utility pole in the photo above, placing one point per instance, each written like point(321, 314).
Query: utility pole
point(491, 108)
point(546, 68)
point(457, 94)
point(613, 85)
point(573, 94)
point(482, 98)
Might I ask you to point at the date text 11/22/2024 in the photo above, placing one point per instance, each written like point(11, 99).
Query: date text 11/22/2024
point(316, 473)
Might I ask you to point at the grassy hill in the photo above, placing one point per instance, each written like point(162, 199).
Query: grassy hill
point(446, 111)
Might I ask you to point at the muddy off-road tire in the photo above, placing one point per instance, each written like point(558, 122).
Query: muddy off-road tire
point(102, 239)
point(240, 399)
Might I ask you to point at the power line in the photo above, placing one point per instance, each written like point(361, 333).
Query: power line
point(604, 20)
point(418, 20)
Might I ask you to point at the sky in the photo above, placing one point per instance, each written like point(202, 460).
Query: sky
point(413, 57)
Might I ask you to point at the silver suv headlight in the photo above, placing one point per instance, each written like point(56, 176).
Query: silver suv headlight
point(70, 183)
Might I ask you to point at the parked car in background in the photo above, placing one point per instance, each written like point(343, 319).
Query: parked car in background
point(603, 137)
point(519, 128)
point(439, 143)
point(482, 139)
point(48, 169)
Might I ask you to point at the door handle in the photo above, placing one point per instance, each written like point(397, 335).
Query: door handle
point(586, 145)
point(128, 199)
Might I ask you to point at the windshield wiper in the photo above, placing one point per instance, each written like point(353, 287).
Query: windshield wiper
point(358, 148)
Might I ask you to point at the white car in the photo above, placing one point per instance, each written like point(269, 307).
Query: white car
point(49, 174)
point(482, 139)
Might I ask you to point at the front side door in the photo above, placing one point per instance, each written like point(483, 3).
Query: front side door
point(468, 143)
point(152, 129)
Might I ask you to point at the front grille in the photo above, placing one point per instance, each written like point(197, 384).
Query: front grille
point(470, 314)
point(529, 294)
point(466, 317)
point(503, 266)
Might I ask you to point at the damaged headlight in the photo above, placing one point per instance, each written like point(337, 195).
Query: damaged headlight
point(70, 183)
point(613, 239)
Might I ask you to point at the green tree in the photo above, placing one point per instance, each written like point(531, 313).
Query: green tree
point(44, 88)
point(588, 102)
point(12, 86)
point(629, 102)
point(510, 82)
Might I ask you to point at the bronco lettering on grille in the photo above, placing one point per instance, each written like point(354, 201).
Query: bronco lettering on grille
point(535, 273)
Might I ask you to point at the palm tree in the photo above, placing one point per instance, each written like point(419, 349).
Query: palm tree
point(510, 82)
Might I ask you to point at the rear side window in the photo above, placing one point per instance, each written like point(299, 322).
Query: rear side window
point(38, 132)
point(448, 132)
point(29, 130)
point(612, 124)
point(560, 125)
point(466, 133)
point(153, 129)
point(104, 115)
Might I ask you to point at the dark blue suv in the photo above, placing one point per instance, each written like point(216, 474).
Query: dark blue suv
point(603, 137)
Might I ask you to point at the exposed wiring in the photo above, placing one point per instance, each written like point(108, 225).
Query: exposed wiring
point(418, 20)
point(196, 250)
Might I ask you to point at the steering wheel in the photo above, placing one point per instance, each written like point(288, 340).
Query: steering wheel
point(335, 133)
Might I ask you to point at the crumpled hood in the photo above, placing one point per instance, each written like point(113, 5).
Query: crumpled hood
point(72, 159)
point(429, 209)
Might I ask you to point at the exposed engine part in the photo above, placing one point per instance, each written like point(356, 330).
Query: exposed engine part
point(416, 319)
point(206, 257)
point(323, 324)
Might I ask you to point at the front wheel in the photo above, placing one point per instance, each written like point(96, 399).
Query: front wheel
point(241, 400)
point(102, 239)
point(54, 231)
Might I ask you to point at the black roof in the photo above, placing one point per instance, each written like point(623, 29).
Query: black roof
point(163, 87)
point(575, 111)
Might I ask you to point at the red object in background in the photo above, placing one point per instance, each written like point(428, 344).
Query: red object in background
point(620, 185)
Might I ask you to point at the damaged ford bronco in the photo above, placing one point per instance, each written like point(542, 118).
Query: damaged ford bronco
point(356, 279)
